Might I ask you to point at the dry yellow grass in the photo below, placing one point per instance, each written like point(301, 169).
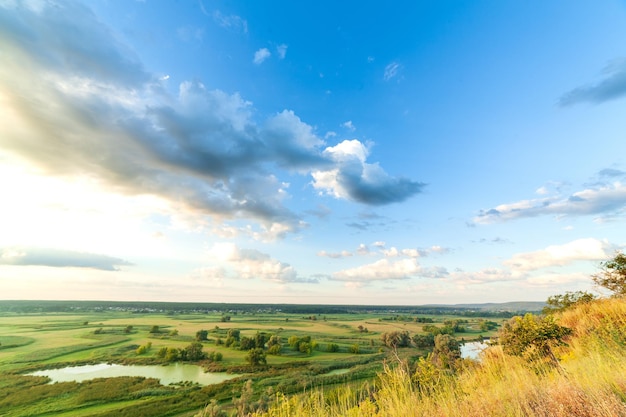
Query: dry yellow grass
point(591, 383)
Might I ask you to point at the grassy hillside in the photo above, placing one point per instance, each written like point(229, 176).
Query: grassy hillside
point(589, 380)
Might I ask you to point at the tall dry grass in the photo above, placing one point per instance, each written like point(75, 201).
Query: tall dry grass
point(590, 382)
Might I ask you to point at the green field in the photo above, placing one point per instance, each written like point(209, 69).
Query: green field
point(44, 335)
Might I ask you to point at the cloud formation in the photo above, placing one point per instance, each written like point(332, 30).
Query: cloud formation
point(261, 55)
point(251, 264)
point(381, 270)
point(59, 259)
point(559, 255)
point(611, 87)
point(81, 103)
point(355, 179)
point(606, 200)
point(535, 268)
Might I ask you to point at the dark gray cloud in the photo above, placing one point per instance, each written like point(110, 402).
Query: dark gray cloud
point(59, 259)
point(85, 105)
point(611, 87)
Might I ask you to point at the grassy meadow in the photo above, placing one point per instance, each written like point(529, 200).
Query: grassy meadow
point(33, 338)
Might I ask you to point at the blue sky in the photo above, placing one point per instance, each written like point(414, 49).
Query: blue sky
point(310, 152)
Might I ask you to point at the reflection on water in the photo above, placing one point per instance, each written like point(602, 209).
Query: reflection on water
point(471, 350)
point(165, 374)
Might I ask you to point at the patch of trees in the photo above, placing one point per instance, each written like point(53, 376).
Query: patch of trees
point(487, 325)
point(232, 338)
point(435, 330)
point(533, 337)
point(403, 318)
point(144, 348)
point(562, 302)
point(302, 344)
point(396, 339)
point(274, 345)
point(256, 357)
point(256, 342)
point(192, 352)
point(424, 341)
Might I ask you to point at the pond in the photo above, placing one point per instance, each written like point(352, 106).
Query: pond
point(471, 350)
point(165, 374)
point(337, 372)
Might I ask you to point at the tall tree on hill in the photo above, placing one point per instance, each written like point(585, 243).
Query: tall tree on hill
point(612, 275)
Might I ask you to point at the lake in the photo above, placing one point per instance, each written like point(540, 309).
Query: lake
point(165, 374)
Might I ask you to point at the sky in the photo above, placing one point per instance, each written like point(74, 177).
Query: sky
point(403, 153)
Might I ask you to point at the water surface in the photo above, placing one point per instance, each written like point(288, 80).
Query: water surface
point(471, 350)
point(165, 374)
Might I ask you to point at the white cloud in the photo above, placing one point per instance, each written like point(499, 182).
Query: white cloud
point(261, 55)
point(253, 264)
point(380, 270)
point(335, 255)
point(559, 255)
point(607, 200)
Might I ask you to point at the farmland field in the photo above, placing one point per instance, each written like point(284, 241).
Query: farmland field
point(46, 335)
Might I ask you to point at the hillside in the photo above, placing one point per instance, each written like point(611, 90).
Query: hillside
point(588, 381)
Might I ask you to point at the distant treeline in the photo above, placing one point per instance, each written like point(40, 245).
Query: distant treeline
point(146, 307)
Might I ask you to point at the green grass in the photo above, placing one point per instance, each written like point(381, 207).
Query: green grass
point(45, 340)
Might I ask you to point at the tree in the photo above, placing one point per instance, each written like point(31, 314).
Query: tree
point(246, 343)
point(396, 339)
point(274, 346)
point(172, 354)
point(260, 339)
point(154, 329)
point(446, 353)
point(256, 357)
point(561, 302)
point(424, 340)
point(128, 329)
point(202, 335)
point(193, 352)
point(612, 275)
point(532, 336)
point(234, 333)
